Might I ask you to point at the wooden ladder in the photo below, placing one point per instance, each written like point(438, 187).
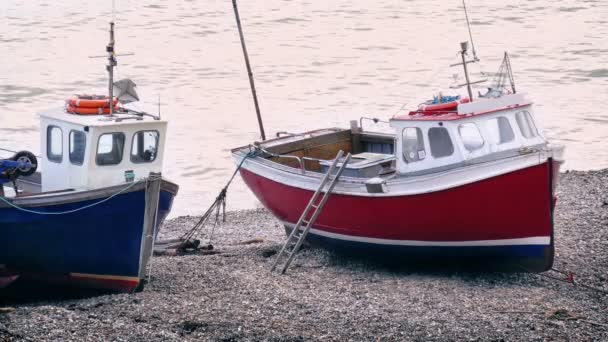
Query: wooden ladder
point(297, 236)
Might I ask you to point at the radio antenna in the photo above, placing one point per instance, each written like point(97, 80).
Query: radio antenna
point(470, 34)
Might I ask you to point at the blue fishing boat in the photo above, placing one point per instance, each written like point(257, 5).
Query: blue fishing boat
point(90, 218)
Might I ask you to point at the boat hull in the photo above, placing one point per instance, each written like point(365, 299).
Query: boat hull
point(99, 247)
point(507, 217)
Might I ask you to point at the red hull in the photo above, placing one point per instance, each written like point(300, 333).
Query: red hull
point(515, 205)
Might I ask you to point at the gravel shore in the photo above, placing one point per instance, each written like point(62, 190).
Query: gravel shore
point(232, 296)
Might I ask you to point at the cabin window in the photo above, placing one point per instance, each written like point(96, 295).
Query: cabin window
point(500, 130)
point(440, 142)
point(526, 124)
point(54, 144)
point(413, 144)
point(144, 147)
point(110, 149)
point(471, 137)
point(78, 144)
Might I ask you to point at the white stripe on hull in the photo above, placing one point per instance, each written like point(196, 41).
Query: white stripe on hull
point(535, 240)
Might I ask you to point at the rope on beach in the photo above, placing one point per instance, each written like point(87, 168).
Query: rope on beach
point(217, 205)
point(569, 278)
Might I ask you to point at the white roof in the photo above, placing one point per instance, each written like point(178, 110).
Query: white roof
point(60, 114)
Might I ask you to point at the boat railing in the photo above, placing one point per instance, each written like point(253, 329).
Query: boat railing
point(301, 160)
point(286, 134)
point(274, 155)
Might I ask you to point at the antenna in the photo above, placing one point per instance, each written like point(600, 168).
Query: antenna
point(470, 34)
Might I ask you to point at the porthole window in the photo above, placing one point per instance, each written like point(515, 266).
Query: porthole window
point(78, 144)
point(440, 142)
point(110, 149)
point(54, 144)
point(471, 137)
point(499, 130)
point(526, 124)
point(144, 146)
point(413, 144)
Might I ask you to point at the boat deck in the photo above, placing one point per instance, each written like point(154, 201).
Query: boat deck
point(372, 153)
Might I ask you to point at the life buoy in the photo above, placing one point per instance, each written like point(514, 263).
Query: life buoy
point(90, 101)
point(90, 111)
point(442, 107)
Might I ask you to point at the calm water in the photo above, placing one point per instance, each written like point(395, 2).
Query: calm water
point(317, 64)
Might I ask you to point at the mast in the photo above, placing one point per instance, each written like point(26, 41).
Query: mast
point(250, 74)
point(110, 67)
point(464, 47)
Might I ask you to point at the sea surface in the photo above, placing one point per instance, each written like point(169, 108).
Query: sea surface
point(316, 64)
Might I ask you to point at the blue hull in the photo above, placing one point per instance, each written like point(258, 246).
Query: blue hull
point(103, 241)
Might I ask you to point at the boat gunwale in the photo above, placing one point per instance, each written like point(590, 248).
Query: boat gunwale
point(352, 186)
point(75, 196)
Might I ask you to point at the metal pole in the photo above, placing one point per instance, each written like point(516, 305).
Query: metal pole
point(470, 34)
point(251, 83)
point(110, 67)
point(466, 71)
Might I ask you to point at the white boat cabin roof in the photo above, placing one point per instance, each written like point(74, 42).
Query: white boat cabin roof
point(60, 114)
point(481, 106)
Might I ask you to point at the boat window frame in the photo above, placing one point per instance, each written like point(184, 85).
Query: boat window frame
point(84, 147)
point(420, 140)
point(449, 140)
point(52, 157)
point(483, 141)
point(500, 120)
point(529, 122)
point(122, 154)
point(156, 147)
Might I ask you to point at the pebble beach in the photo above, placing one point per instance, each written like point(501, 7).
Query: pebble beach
point(229, 294)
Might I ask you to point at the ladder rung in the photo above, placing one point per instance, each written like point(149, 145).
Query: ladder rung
point(296, 237)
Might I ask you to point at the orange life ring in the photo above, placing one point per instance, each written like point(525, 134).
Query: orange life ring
point(90, 101)
point(90, 111)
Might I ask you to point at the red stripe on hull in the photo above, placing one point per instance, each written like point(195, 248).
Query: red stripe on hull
point(116, 285)
point(93, 282)
point(509, 206)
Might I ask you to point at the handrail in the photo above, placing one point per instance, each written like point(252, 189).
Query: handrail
point(286, 134)
point(283, 156)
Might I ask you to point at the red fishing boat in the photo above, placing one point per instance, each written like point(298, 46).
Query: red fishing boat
point(475, 179)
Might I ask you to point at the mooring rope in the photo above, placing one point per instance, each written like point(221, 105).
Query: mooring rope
point(217, 205)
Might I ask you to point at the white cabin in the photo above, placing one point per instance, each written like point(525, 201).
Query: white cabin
point(96, 151)
point(477, 131)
